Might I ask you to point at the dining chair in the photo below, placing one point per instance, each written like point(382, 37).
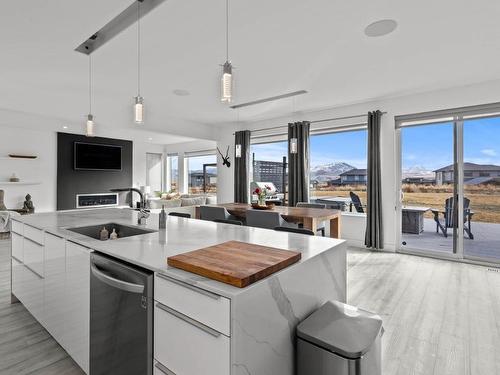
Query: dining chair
point(295, 230)
point(212, 213)
point(180, 214)
point(266, 219)
point(321, 227)
point(228, 221)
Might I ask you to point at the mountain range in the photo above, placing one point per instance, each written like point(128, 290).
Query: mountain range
point(330, 171)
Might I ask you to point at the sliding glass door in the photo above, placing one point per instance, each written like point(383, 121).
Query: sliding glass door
point(450, 184)
point(428, 185)
point(482, 189)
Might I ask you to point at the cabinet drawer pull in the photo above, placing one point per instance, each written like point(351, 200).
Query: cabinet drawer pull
point(35, 242)
point(17, 260)
point(55, 235)
point(193, 288)
point(163, 369)
point(188, 320)
point(31, 269)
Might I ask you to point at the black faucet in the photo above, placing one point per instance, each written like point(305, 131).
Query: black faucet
point(143, 213)
point(142, 204)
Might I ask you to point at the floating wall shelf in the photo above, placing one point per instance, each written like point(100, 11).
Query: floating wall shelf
point(19, 183)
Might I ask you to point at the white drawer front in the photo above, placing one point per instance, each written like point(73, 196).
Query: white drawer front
point(33, 256)
point(186, 347)
point(205, 307)
point(33, 234)
point(17, 227)
point(17, 247)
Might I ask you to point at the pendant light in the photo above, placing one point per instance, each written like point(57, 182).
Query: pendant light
point(139, 100)
point(227, 68)
point(90, 118)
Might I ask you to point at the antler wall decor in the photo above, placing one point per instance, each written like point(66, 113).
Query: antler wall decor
point(225, 159)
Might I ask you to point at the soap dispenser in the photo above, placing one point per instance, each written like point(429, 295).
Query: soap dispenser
point(103, 235)
point(163, 218)
point(113, 235)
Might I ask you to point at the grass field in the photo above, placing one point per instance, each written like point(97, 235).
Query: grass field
point(485, 199)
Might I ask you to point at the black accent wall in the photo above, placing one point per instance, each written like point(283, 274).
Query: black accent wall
point(71, 182)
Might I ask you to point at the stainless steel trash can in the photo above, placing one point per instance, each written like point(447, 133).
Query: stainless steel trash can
point(339, 339)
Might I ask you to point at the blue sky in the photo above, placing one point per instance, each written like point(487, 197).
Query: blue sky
point(349, 147)
point(196, 163)
point(431, 146)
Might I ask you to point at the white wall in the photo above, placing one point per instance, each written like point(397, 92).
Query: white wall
point(140, 150)
point(483, 93)
point(43, 169)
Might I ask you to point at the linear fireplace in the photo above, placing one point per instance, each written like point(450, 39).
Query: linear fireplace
point(96, 200)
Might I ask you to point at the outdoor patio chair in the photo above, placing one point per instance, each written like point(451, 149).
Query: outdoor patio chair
point(448, 221)
point(356, 202)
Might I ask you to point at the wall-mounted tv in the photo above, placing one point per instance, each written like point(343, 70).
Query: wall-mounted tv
point(97, 157)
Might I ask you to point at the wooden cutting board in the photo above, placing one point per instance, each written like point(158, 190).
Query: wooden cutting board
point(236, 263)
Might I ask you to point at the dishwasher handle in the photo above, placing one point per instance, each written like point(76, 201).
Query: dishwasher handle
point(115, 283)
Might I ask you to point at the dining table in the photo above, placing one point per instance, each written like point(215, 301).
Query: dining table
point(308, 217)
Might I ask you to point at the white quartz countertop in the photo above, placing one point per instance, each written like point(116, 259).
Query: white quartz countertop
point(181, 235)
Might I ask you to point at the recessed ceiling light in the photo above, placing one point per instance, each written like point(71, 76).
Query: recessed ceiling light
point(150, 138)
point(65, 127)
point(380, 28)
point(181, 92)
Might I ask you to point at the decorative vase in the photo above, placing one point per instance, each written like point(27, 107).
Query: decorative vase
point(262, 201)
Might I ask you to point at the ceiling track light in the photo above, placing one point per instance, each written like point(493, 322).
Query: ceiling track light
point(227, 68)
point(89, 131)
point(139, 100)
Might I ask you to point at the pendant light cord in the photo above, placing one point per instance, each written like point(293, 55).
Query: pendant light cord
point(227, 30)
point(90, 84)
point(138, 48)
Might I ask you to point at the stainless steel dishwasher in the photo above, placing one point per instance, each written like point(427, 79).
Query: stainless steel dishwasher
point(121, 318)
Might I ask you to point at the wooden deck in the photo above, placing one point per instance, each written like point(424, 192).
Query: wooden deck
point(486, 242)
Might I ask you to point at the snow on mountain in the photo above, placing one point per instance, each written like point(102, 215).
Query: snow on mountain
point(417, 171)
point(331, 171)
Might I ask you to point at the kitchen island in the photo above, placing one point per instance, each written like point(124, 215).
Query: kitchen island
point(250, 330)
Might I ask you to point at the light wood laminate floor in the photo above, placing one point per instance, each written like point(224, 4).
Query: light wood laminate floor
point(440, 317)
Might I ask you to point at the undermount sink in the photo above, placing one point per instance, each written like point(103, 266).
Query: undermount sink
point(120, 229)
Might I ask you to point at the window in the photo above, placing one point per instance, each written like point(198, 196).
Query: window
point(267, 163)
point(172, 173)
point(338, 165)
point(202, 176)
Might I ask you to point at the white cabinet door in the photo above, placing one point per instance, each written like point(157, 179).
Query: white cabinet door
point(186, 346)
point(55, 279)
point(18, 288)
point(33, 293)
point(17, 247)
point(77, 298)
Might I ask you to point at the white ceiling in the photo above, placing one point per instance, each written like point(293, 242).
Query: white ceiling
point(276, 46)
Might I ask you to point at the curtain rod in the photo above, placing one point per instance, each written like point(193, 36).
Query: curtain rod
point(315, 121)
